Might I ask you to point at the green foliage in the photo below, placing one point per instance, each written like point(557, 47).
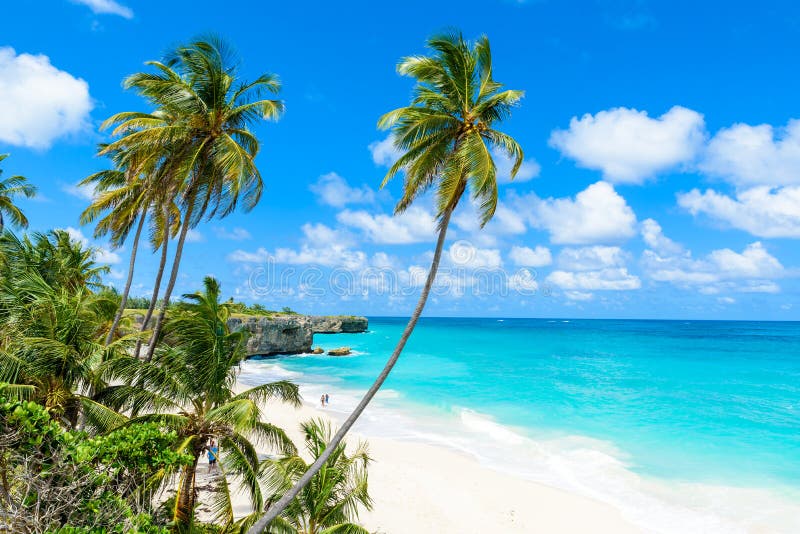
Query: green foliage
point(56, 480)
point(446, 136)
point(188, 388)
point(9, 189)
point(331, 501)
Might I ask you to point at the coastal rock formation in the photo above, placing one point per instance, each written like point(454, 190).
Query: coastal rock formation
point(318, 350)
point(278, 334)
point(335, 324)
point(287, 334)
point(292, 334)
point(341, 351)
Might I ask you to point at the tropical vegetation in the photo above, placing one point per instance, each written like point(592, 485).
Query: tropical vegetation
point(105, 414)
point(447, 137)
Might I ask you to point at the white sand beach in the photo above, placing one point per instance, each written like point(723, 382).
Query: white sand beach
point(420, 488)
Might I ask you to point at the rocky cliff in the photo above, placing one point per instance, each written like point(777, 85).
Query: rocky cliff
point(291, 334)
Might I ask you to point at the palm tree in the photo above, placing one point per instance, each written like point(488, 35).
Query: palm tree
point(201, 125)
point(329, 503)
point(126, 197)
point(10, 188)
point(446, 135)
point(52, 324)
point(188, 387)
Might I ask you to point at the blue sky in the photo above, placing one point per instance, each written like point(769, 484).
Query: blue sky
point(663, 165)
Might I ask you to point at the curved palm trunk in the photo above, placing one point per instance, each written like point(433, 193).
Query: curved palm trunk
point(131, 264)
point(184, 500)
point(284, 501)
point(173, 277)
point(156, 289)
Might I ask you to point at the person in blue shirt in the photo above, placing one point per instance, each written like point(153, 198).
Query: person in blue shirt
point(213, 452)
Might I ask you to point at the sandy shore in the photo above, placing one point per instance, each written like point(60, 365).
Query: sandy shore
point(421, 488)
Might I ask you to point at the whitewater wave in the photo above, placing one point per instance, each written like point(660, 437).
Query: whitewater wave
point(578, 464)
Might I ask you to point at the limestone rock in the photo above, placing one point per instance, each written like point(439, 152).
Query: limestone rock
point(341, 351)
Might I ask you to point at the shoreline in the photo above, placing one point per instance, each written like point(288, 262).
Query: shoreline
point(420, 487)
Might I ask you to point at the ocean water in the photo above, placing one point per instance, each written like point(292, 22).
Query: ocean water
point(685, 426)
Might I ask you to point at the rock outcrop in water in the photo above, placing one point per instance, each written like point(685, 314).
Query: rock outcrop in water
point(292, 334)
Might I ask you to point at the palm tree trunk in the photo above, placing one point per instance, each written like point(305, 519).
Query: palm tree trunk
point(173, 277)
point(131, 264)
point(156, 289)
point(284, 501)
point(184, 501)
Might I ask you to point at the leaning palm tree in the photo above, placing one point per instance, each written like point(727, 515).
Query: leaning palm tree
point(201, 125)
point(446, 135)
point(188, 387)
point(330, 502)
point(10, 188)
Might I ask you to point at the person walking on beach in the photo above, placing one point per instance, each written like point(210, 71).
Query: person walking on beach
point(327, 399)
point(322, 400)
point(213, 451)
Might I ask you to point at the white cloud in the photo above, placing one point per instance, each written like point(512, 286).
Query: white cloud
point(598, 214)
point(464, 254)
point(726, 300)
point(617, 279)
point(321, 245)
point(755, 155)
point(579, 295)
point(751, 270)
point(101, 254)
point(104, 255)
point(107, 7)
point(38, 102)
point(384, 152)
point(412, 226)
point(506, 221)
point(85, 192)
point(628, 146)
point(761, 211)
point(523, 281)
point(530, 168)
point(654, 238)
point(333, 190)
point(591, 258)
point(235, 234)
point(531, 257)
point(194, 236)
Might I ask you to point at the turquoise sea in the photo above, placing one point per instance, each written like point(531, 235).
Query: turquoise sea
point(686, 426)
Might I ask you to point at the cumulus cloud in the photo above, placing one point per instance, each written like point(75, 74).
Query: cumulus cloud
point(235, 234)
point(761, 211)
point(333, 190)
point(531, 257)
point(85, 192)
point(506, 221)
point(107, 7)
point(591, 258)
point(384, 152)
point(529, 169)
point(194, 236)
point(321, 245)
point(628, 146)
point(523, 281)
point(755, 155)
point(752, 270)
point(654, 238)
point(464, 254)
point(38, 102)
point(615, 279)
point(598, 214)
point(101, 254)
point(412, 226)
